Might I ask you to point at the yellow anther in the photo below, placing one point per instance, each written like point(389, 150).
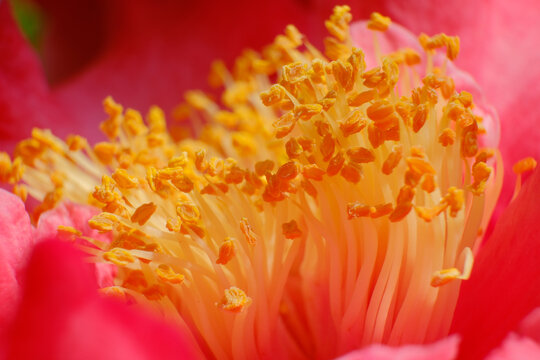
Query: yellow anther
point(294, 35)
point(360, 155)
point(524, 165)
point(244, 143)
point(119, 257)
point(455, 198)
point(143, 213)
point(105, 152)
point(227, 251)
point(360, 98)
point(447, 137)
point(133, 123)
point(307, 111)
point(334, 49)
point(105, 192)
point(198, 100)
point(188, 212)
point(68, 230)
point(290, 230)
point(420, 166)
point(294, 71)
point(103, 222)
point(182, 183)
point(156, 120)
point(76, 142)
point(437, 41)
point(274, 95)
point(234, 300)
point(110, 126)
point(58, 178)
point(343, 73)
point(429, 213)
point(166, 274)
point(411, 57)
point(378, 22)
point(443, 277)
point(174, 224)
point(246, 229)
point(123, 180)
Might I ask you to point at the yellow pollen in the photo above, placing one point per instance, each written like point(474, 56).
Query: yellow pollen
point(234, 300)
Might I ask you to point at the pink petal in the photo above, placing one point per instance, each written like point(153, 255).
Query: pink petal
point(15, 245)
point(76, 216)
point(503, 286)
point(63, 317)
point(445, 349)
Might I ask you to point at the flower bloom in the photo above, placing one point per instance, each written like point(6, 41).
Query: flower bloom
point(338, 209)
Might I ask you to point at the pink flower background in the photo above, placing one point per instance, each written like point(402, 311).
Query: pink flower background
point(149, 52)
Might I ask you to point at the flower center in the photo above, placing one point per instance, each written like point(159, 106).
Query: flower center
point(324, 206)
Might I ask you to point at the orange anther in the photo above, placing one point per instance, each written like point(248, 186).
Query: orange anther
point(290, 230)
point(105, 152)
point(143, 213)
point(293, 148)
point(288, 171)
point(447, 137)
point(313, 172)
point(306, 111)
point(455, 199)
point(226, 251)
point(420, 166)
point(335, 164)
point(263, 167)
point(392, 160)
point(327, 147)
point(352, 173)
point(380, 109)
point(246, 229)
point(360, 155)
point(353, 123)
point(274, 95)
point(343, 73)
point(375, 136)
point(380, 210)
point(284, 125)
point(428, 183)
point(524, 165)
point(419, 117)
point(401, 210)
point(357, 209)
point(360, 98)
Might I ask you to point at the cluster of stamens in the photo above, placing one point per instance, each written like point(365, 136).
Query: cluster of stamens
point(319, 213)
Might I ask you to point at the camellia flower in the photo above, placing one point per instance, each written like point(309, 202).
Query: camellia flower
point(333, 201)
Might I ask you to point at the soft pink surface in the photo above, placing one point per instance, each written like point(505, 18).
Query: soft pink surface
point(445, 349)
point(16, 240)
point(63, 317)
point(504, 284)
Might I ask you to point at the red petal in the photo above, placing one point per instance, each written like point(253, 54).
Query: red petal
point(445, 349)
point(62, 316)
point(503, 287)
point(25, 101)
point(15, 245)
